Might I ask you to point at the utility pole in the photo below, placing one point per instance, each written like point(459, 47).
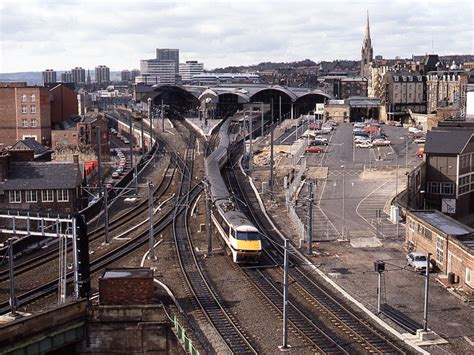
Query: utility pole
point(142, 137)
point(285, 345)
point(427, 284)
point(208, 217)
point(162, 117)
point(406, 153)
point(99, 160)
point(11, 277)
point(261, 129)
point(251, 139)
point(279, 120)
point(151, 122)
point(343, 202)
point(310, 219)
point(151, 236)
point(272, 112)
point(271, 163)
point(106, 215)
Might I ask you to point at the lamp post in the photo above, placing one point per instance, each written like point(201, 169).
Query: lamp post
point(151, 121)
point(343, 201)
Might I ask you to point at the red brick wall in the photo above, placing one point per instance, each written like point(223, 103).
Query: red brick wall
point(63, 137)
point(121, 291)
point(7, 117)
point(63, 104)
point(460, 260)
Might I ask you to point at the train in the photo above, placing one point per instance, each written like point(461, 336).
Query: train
point(237, 231)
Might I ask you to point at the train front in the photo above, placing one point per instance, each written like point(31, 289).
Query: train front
point(247, 244)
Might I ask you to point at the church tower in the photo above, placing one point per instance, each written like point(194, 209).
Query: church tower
point(367, 53)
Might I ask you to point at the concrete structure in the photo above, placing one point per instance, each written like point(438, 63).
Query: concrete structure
point(78, 75)
point(347, 87)
point(102, 74)
point(55, 188)
point(66, 77)
point(367, 52)
point(25, 112)
point(125, 75)
point(189, 69)
point(352, 109)
point(442, 89)
point(49, 76)
point(225, 78)
point(166, 54)
point(450, 242)
point(403, 91)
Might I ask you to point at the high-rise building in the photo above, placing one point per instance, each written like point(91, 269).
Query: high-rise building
point(125, 75)
point(135, 73)
point(190, 68)
point(66, 77)
point(49, 76)
point(102, 74)
point(78, 75)
point(168, 54)
point(367, 52)
point(165, 70)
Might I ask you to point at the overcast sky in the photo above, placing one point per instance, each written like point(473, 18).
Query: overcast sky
point(36, 35)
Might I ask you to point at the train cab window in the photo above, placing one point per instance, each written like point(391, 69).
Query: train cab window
point(248, 236)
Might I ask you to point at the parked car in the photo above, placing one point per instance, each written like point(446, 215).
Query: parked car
point(321, 138)
point(316, 142)
point(115, 175)
point(398, 124)
point(421, 140)
point(314, 150)
point(417, 260)
point(381, 142)
point(365, 144)
point(420, 152)
point(414, 130)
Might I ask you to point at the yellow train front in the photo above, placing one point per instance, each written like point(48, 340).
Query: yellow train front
point(240, 235)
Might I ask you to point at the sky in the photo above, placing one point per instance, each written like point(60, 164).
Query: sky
point(35, 35)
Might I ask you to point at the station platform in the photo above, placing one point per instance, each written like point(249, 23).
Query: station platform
point(200, 126)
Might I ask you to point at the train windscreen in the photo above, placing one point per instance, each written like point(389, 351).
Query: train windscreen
point(248, 236)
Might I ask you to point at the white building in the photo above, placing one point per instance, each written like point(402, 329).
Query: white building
point(165, 70)
point(147, 79)
point(190, 68)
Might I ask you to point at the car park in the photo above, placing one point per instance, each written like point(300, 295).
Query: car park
point(314, 150)
point(418, 261)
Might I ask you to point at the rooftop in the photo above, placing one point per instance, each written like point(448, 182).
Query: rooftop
point(444, 223)
point(127, 273)
point(447, 141)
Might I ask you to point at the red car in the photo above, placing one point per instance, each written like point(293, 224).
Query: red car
point(314, 150)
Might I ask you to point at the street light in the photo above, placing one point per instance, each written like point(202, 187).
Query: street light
point(343, 202)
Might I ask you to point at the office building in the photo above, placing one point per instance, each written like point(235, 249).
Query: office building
point(78, 75)
point(66, 77)
point(102, 74)
point(189, 69)
point(134, 73)
point(125, 75)
point(165, 70)
point(169, 54)
point(49, 76)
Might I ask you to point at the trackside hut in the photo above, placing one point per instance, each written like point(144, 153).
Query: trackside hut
point(450, 242)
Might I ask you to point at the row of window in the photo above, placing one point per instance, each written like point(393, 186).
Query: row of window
point(32, 98)
point(31, 196)
point(443, 188)
point(33, 122)
point(465, 161)
point(32, 109)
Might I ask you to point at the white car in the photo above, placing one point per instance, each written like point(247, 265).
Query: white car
point(365, 144)
point(417, 260)
point(381, 142)
point(420, 140)
point(414, 130)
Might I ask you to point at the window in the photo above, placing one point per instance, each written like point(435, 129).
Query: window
point(15, 196)
point(468, 276)
point(63, 195)
point(411, 230)
point(47, 196)
point(464, 161)
point(433, 187)
point(23, 108)
point(447, 188)
point(428, 234)
point(24, 122)
point(31, 196)
point(33, 108)
point(465, 180)
point(23, 98)
point(33, 122)
point(33, 98)
point(440, 250)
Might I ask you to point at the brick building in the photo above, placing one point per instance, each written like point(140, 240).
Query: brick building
point(347, 87)
point(63, 103)
point(54, 188)
point(450, 242)
point(442, 89)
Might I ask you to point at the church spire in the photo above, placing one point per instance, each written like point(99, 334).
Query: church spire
point(367, 29)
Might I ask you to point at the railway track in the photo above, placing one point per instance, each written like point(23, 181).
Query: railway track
point(32, 262)
point(367, 336)
point(206, 298)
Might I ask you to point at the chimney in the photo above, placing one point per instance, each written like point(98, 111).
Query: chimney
point(4, 166)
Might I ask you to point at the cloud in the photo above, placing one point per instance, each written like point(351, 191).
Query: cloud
point(35, 35)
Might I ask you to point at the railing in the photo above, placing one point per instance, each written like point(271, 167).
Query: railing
point(180, 333)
